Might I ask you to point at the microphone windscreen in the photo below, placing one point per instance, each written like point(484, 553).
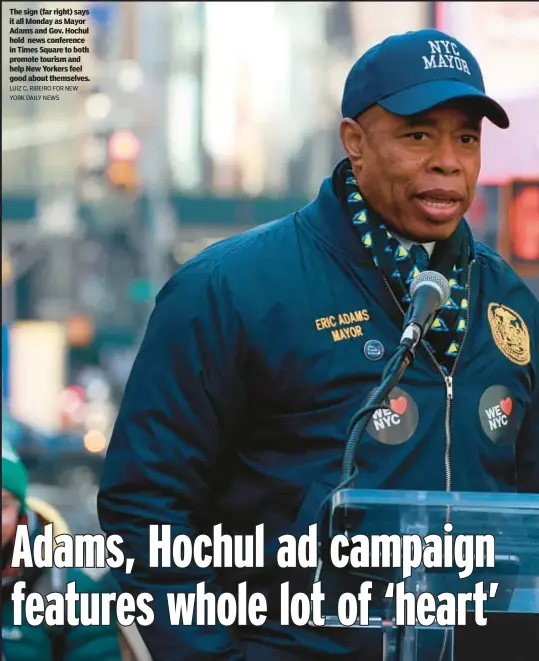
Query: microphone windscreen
point(432, 278)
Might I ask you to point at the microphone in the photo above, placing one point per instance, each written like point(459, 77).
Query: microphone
point(429, 291)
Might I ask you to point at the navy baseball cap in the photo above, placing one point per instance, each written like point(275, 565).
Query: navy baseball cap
point(412, 72)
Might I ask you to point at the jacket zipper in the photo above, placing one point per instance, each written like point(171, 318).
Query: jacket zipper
point(448, 402)
point(448, 380)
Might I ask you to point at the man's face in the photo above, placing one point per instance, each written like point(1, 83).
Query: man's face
point(420, 172)
point(10, 516)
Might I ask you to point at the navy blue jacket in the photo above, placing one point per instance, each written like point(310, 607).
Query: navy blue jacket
point(254, 361)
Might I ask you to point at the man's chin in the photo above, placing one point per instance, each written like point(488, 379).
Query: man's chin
point(428, 231)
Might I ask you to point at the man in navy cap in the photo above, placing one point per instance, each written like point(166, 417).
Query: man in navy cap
point(261, 349)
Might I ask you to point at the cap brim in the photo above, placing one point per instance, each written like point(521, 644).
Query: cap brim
point(425, 96)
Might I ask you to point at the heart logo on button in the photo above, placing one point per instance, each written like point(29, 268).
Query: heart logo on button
point(499, 415)
point(396, 422)
point(506, 405)
point(399, 405)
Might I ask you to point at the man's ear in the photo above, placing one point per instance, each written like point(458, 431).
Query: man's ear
point(353, 140)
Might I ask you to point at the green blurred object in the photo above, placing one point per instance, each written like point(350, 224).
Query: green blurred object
point(19, 208)
point(14, 474)
point(240, 210)
point(142, 291)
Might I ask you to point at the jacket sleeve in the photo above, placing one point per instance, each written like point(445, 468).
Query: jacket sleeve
point(173, 433)
point(527, 448)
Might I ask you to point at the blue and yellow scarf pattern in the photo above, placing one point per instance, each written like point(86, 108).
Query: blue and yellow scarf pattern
point(400, 266)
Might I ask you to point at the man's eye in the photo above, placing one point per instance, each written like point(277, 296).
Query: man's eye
point(417, 135)
point(469, 139)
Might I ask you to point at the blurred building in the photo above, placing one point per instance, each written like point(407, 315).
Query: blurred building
point(39, 150)
point(258, 88)
point(504, 36)
point(59, 264)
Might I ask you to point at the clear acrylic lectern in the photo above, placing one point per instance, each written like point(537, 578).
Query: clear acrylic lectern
point(512, 519)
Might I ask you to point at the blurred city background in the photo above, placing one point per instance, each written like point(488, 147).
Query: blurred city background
point(202, 119)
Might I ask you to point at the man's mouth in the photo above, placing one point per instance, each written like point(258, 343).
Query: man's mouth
point(439, 204)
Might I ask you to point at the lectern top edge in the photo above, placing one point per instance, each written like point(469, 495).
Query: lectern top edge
point(464, 499)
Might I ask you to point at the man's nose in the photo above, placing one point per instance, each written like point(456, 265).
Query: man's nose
point(445, 159)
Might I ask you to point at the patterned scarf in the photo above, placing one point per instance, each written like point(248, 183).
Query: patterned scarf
point(400, 266)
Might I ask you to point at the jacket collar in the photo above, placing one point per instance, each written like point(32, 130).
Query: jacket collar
point(326, 216)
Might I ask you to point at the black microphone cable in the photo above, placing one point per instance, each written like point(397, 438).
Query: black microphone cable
point(391, 375)
point(394, 370)
point(434, 290)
